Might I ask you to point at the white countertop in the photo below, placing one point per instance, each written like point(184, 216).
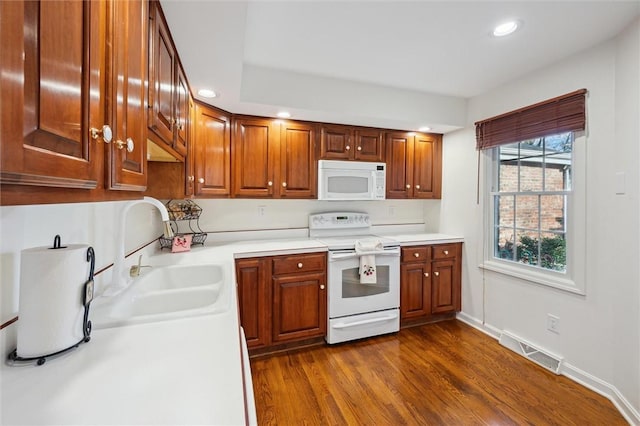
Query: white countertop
point(181, 371)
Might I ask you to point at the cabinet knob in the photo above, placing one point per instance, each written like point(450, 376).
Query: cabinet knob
point(417, 186)
point(416, 254)
point(426, 274)
point(408, 186)
point(437, 274)
point(284, 184)
point(191, 178)
point(359, 148)
point(347, 147)
point(321, 286)
point(201, 180)
point(105, 132)
point(270, 183)
point(300, 265)
point(446, 252)
point(127, 144)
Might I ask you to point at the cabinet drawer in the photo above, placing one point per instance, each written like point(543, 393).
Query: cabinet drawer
point(445, 251)
point(416, 254)
point(299, 263)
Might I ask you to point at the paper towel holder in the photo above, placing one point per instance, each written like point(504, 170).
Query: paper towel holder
point(87, 297)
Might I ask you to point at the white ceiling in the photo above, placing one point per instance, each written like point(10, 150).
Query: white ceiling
point(396, 64)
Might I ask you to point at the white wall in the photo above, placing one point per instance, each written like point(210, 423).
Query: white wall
point(599, 332)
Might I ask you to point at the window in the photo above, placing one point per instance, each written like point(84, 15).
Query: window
point(530, 189)
point(536, 194)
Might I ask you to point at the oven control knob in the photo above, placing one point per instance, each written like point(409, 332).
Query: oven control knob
point(300, 265)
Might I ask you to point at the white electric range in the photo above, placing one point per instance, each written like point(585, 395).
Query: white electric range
point(358, 306)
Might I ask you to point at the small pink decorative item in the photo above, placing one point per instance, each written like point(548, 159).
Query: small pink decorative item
point(181, 243)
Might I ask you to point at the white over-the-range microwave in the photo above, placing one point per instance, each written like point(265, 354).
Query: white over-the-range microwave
point(351, 180)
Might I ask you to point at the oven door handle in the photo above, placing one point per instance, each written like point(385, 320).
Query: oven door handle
point(367, 321)
point(336, 256)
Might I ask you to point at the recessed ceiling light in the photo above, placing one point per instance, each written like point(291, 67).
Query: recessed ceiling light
point(506, 28)
point(283, 114)
point(424, 129)
point(207, 93)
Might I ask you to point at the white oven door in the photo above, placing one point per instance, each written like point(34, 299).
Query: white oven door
point(347, 296)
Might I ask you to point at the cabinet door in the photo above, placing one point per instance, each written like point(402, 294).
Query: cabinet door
point(189, 163)
point(427, 166)
point(52, 62)
point(368, 145)
point(299, 306)
point(255, 152)
point(336, 142)
point(161, 78)
point(445, 283)
point(297, 178)
point(415, 290)
point(128, 152)
point(253, 301)
point(212, 161)
point(182, 112)
point(399, 158)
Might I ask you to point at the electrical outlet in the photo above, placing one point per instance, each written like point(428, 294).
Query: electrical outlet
point(261, 210)
point(553, 323)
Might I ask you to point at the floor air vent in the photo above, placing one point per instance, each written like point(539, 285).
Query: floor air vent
point(545, 359)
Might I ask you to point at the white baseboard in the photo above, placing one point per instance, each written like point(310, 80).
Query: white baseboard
point(603, 388)
point(583, 378)
point(477, 324)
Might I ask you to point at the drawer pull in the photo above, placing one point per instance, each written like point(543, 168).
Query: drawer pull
point(416, 254)
point(300, 265)
point(270, 183)
point(284, 184)
point(347, 147)
point(359, 148)
point(426, 274)
point(417, 186)
point(446, 252)
point(321, 286)
point(201, 180)
point(437, 274)
point(408, 186)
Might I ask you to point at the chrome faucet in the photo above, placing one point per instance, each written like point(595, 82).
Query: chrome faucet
point(134, 271)
point(119, 280)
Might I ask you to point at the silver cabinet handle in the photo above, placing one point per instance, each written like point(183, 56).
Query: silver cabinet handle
point(321, 286)
point(105, 132)
point(201, 180)
point(300, 265)
point(437, 274)
point(426, 274)
point(284, 184)
point(446, 252)
point(416, 254)
point(347, 147)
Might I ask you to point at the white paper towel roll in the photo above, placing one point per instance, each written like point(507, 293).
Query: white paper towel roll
point(51, 312)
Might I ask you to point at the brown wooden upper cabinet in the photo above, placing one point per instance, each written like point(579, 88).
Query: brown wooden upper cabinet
point(168, 89)
point(414, 165)
point(273, 159)
point(211, 152)
point(54, 115)
point(338, 142)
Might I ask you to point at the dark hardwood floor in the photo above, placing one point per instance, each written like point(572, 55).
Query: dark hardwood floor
point(445, 373)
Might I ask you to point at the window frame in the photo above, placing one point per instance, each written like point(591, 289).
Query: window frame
point(573, 279)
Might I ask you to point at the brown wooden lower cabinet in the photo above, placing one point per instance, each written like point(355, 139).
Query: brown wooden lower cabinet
point(430, 281)
point(282, 298)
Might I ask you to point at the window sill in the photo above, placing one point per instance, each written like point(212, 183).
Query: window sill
point(528, 274)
